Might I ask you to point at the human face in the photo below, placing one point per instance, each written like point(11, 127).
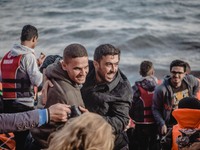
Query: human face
point(177, 75)
point(106, 68)
point(77, 69)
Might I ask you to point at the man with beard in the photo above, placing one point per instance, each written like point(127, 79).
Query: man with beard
point(107, 92)
point(167, 96)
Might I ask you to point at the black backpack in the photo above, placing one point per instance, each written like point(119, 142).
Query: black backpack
point(189, 139)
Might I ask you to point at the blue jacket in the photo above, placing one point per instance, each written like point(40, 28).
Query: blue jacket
point(163, 96)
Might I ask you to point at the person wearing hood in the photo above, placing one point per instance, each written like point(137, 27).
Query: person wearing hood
point(166, 97)
point(188, 118)
point(145, 132)
point(67, 77)
point(20, 73)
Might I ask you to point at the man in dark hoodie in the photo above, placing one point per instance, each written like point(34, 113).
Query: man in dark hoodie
point(145, 132)
point(67, 76)
point(167, 96)
point(107, 92)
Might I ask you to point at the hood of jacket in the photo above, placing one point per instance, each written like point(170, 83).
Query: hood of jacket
point(187, 118)
point(19, 49)
point(148, 83)
point(55, 71)
point(189, 80)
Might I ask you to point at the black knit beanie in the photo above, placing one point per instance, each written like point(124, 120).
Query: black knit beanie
point(189, 102)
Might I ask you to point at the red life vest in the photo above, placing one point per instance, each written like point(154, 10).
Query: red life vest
point(13, 81)
point(146, 98)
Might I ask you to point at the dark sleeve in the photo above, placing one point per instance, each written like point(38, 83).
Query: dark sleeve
point(119, 110)
point(157, 106)
point(19, 121)
point(135, 98)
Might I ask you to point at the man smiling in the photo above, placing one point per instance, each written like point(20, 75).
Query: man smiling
point(107, 91)
point(167, 96)
point(67, 76)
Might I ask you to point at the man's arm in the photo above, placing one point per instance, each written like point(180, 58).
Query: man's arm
point(157, 107)
point(120, 116)
point(119, 106)
point(35, 75)
point(135, 98)
point(30, 119)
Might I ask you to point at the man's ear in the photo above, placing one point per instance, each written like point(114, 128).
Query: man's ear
point(96, 64)
point(34, 39)
point(64, 65)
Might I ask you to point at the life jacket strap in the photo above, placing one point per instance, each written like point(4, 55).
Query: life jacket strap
point(17, 90)
point(15, 81)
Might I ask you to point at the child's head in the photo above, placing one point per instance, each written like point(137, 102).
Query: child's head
point(89, 131)
point(189, 102)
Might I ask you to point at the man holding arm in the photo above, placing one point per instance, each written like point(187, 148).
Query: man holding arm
point(107, 92)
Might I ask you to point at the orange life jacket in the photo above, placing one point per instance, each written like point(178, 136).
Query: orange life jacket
point(198, 95)
point(7, 141)
point(13, 81)
point(146, 98)
point(186, 118)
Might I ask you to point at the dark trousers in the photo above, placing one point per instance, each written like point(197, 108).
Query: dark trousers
point(11, 106)
point(144, 137)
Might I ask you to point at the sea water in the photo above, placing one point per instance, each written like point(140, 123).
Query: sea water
point(159, 31)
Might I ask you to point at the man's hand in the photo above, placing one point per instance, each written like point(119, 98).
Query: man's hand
point(164, 129)
point(59, 112)
point(82, 109)
point(45, 87)
point(131, 124)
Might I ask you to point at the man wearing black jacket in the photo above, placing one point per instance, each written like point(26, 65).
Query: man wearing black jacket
point(107, 92)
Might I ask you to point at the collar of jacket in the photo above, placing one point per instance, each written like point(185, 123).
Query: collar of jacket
point(55, 71)
point(108, 86)
point(113, 84)
point(187, 118)
point(91, 80)
point(185, 79)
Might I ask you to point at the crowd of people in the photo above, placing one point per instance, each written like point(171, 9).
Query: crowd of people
point(90, 104)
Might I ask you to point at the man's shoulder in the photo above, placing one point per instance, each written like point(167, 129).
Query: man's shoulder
point(190, 78)
point(30, 57)
point(162, 87)
point(125, 80)
point(123, 86)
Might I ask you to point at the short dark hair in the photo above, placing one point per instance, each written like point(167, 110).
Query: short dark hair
point(178, 63)
point(189, 102)
point(188, 68)
point(28, 32)
point(145, 68)
point(73, 51)
point(105, 49)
